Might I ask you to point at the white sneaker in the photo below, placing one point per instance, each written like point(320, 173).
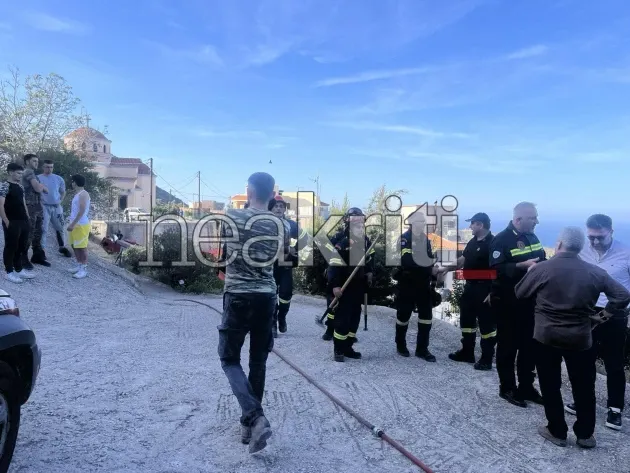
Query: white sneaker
point(75, 269)
point(13, 277)
point(25, 274)
point(80, 274)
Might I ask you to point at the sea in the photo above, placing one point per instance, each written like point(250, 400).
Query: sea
point(548, 231)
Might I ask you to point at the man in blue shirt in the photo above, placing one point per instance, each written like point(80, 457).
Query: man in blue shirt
point(609, 338)
point(51, 203)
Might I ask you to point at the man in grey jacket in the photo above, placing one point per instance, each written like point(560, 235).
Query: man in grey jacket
point(566, 290)
point(51, 204)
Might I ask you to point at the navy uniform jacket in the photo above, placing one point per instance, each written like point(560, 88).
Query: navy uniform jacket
point(508, 248)
point(298, 236)
point(340, 269)
point(412, 273)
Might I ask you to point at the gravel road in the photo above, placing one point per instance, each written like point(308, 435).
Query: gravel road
point(131, 382)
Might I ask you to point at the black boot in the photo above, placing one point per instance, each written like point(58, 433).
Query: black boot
point(349, 351)
point(339, 349)
point(401, 341)
point(26, 264)
point(487, 354)
point(422, 345)
point(39, 257)
point(328, 334)
point(467, 353)
point(282, 323)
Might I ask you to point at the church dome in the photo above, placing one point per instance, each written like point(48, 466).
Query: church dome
point(85, 132)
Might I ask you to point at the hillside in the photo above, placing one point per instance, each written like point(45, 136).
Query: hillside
point(164, 196)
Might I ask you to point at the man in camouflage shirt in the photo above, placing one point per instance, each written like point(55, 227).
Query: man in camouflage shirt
point(32, 190)
point(255, 239)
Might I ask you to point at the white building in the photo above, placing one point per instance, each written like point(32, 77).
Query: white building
point(130, 176)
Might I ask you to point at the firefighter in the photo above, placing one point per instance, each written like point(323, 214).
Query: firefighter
point(284, 274)
point(347, 316)
point(369, 264)
point(474, 303)
point(512, 252)
point(414, 288)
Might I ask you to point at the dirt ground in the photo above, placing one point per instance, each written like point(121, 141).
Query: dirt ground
point(131, 382)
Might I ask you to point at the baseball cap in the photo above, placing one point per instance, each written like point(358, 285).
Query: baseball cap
point(480, 217)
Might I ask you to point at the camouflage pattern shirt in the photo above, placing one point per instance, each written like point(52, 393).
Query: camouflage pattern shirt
point(254, 241)
point(30, 196)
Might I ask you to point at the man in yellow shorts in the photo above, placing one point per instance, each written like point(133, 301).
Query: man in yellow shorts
point(79, 228)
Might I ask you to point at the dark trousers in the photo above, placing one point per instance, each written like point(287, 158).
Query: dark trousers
point(242, 314)
point(284, 281)
point(581, 369)
point(15, 244)
point(609, 340)
point(472, 309)
point(408, 299)
point(515, 332)
point(36, 214)
point(347, 318)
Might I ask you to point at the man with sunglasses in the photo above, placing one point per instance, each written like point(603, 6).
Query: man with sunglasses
point(609, 338)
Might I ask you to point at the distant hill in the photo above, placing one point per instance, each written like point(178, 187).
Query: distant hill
point(164, 196)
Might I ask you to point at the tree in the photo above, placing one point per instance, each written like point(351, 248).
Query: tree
point(35, 113)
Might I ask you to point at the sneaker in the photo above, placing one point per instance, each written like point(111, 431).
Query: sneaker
point(461, 355)
point(74, 269)
point(24, 274)
point(246, 434)
point(544, 432)
point(65, 251)
point(570, 408)
point(587, 443)
point(261, 431)
point(80, 274)
point(613, 420)
point(13, 277)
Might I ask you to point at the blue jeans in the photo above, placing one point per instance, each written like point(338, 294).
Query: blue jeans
point(242, 314)
point(53, 214)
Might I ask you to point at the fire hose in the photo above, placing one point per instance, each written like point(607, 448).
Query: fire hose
point(376, 431)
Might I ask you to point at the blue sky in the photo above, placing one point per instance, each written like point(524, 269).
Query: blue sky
point(492, 101)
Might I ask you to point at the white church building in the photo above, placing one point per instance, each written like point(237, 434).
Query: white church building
point(131, 176)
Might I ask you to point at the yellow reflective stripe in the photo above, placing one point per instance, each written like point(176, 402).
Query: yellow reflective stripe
point(283, 301)
point(331, 316)
point(489, 335)
point(406, 250)
point(426, 322)
point(328, 246)
point(372, 251)
point(340, 337)
point(537, 246)
point(352, 335)
point(293, 242)
point(398, 322)
point(518, 251)
point(336, 261)
point(469, 330)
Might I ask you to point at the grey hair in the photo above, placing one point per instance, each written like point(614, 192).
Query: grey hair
point(572, 239)
point(518, 208)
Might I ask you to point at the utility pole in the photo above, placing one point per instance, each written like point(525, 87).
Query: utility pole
point(199, 194)
point(317, 197)
point(151, 186)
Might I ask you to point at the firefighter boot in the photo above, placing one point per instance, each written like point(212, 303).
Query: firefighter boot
point(487, 354)
point(282, 322)
point(401, 342)
point(349, 351)
point(467, 353)
point(328, 334)
point(339, 349)
point(422, 345)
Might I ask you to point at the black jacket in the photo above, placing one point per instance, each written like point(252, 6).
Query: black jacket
point(508, 248)
point(341, 268)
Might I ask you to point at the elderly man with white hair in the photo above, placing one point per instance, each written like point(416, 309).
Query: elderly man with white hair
point(512, 251)
point(566, 290)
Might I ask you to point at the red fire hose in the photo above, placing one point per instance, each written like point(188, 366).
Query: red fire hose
point(376, 431)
